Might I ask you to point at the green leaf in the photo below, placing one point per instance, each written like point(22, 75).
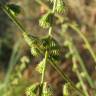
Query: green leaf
point(15, 9)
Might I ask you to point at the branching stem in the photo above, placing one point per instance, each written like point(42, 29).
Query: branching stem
point(13, 18)
point(74, 28)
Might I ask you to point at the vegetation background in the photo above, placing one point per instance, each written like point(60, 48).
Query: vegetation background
point(13, 48)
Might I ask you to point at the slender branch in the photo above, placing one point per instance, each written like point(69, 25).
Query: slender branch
point(79, 76)
point(75, 53)
point(65, 77)
point(14, 58)
point(74, 60)
point(44, 67)
point(85, 40)
point(54, 6)
point(12, 17)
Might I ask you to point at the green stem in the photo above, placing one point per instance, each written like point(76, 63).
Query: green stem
point(54, 6)
point(55, 66)
point(44, 67)
point(79, 76)
point(75, 53)
point(13, 18)
point(73, 27)
point(14, 58)
point(50, 31)
point(65, 77)
point(40, 2)
point(53, 11)
point(43, 73)
point(85, 40)
point(84, 69)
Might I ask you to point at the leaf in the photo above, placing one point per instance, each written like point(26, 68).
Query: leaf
point(15, 9)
